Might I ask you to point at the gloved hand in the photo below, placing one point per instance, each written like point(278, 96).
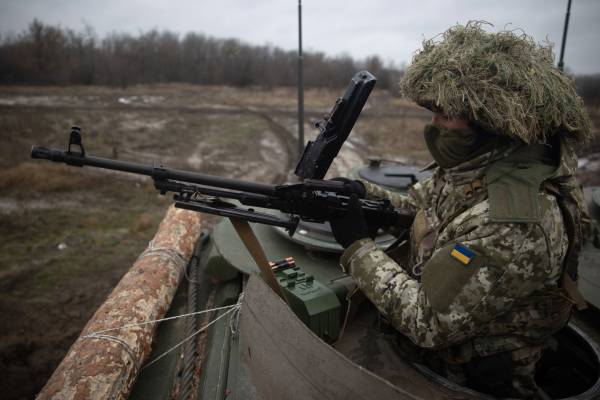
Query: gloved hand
point(351, 226)
point(353, 186)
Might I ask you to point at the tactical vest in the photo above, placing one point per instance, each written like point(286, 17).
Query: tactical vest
point(513, 186)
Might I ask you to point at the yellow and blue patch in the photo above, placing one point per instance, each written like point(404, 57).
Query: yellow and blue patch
point(462, 254)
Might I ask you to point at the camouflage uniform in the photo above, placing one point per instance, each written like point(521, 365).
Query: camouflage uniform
point(507, 300)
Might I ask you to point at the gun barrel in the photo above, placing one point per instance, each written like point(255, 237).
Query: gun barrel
point(40, 152)
point(80, 160)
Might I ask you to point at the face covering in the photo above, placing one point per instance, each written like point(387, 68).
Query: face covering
point(450, 147)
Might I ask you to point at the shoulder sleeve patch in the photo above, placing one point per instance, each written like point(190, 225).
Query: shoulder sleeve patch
point(448, 272)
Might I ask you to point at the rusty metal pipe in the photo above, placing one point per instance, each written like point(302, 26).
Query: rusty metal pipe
point(105, 366)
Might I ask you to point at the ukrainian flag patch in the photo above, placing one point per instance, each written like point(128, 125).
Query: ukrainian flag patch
point(462, 253)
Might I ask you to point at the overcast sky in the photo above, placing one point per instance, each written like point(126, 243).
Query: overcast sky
point(391, 29)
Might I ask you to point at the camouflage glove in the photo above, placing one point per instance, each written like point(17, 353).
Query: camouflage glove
point(351, 226)
point(353, 186)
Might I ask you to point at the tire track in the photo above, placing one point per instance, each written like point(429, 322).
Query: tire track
point(286, 138)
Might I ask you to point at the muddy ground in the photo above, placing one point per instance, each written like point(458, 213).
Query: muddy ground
point(68, 235)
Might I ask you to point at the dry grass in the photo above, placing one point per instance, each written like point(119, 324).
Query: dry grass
point(29, 178)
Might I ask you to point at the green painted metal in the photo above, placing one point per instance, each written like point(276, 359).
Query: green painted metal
point(314, 303)
point(306, 285)
point(214, 378)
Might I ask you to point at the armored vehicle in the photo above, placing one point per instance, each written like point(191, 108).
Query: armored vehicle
point(328, 342)
point(295, 328)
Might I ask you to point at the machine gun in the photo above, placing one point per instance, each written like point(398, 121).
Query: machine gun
point(312, 199)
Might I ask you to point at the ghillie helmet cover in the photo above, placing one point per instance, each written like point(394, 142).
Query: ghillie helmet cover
point(505, 82)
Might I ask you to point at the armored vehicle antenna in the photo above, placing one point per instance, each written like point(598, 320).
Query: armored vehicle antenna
point(561, 64)
point(300, 85)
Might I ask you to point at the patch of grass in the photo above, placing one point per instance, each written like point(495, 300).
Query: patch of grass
point(44, 249)
point(39, 177)
point(239, 131)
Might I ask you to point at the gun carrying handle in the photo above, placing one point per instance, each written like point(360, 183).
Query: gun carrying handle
point(246, 234)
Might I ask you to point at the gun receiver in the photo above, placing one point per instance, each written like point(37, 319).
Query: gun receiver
point(312, 199)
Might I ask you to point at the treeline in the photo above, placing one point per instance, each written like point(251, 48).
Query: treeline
point(45, 54)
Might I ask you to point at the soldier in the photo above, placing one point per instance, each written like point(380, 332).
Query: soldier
point(490, 267)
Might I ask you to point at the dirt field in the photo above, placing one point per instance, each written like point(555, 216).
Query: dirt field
point(68, 235)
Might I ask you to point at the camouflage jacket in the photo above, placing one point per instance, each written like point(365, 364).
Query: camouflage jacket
point(504, 296)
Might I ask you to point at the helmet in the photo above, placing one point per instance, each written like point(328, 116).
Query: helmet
point(504, 82)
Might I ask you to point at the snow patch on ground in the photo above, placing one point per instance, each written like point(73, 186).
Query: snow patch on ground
point(144, 99)
point(137, 124)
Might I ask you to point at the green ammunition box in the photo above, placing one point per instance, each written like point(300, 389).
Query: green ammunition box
point(314, 303)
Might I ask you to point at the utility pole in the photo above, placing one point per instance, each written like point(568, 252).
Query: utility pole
point(300, 85)
point(561, 64)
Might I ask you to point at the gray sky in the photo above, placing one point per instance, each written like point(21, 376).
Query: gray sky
point(391, 29)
